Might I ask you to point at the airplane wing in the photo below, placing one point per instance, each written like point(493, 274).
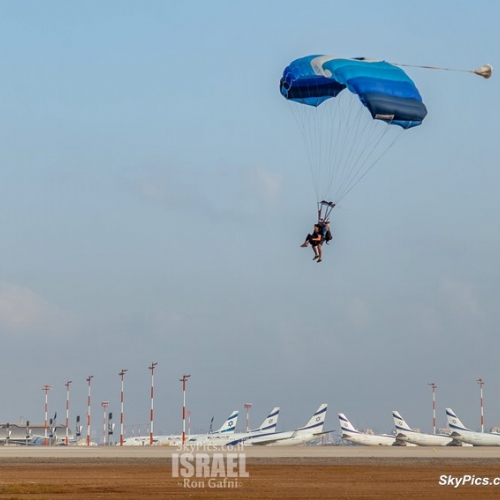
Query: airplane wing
point(266, 442)
point(271, 439)
point(324, 432)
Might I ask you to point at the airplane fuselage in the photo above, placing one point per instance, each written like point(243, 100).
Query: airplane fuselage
point(222, 439)
point(170, 440)
point(368, 439)
point(476, 438)
point(422, 439)
point(286, 438)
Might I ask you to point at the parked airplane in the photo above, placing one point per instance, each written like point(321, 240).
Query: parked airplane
point(227, 427)
point(34, 440)
point(221, 439)
point(350, 433)
point(407, 434)
point(461, 433)
point(310, 432)
point(34, 434)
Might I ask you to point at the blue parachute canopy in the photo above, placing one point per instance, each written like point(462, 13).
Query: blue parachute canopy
point(384, 89)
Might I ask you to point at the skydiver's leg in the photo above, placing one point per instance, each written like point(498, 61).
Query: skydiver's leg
point(306, 241)
point(315, 250)
point(320, 253)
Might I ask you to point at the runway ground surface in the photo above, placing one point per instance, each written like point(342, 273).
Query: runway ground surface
point(317, 472)
point(299, 453)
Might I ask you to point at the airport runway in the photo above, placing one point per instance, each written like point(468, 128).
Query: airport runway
point(288, 453)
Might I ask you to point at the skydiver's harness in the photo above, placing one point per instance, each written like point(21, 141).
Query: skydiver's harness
point(324, 210)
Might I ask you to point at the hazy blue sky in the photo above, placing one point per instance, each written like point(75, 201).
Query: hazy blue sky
point(154, 193)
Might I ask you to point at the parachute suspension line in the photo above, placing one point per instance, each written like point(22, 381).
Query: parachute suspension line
point(341, 140)
point(351, 145)
point(354, 148)
point(381, 154)
point(329, 150)
point(313, 123)
point(306, 124)
point(365, 151)
point(337, 138)
point(372, 135)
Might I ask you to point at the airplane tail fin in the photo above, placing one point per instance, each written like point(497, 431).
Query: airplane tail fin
point(345, 425)
point(229, 425)
point(454, 422)
point(270, 422)
point(317, 421)
point(400, 422)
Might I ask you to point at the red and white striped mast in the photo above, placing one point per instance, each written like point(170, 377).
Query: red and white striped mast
point(89, 379)
point(151, 417)
point(46, 388)
point(481, 383)
point(184, 380)
point(122, 375)
point(433, 386)
point(247, 408)
point(67, 384)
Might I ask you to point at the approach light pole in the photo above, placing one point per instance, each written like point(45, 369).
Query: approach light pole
point(67, 384)
point(151, 417)
point(89, 379)
point(111, 426)
point(28, 432)
point(104, 405)
point(481, 383)
point(78, 428)
point(184, 380)
point(46, 388)
point(247, 408)
point(433, 386)
point(122, 375)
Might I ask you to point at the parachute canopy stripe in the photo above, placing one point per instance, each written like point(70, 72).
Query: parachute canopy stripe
point(365, 85)
point(314, 91)
point(384, 89)
point(379, 105)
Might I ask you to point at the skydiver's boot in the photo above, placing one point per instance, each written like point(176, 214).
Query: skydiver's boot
point(304, 245)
